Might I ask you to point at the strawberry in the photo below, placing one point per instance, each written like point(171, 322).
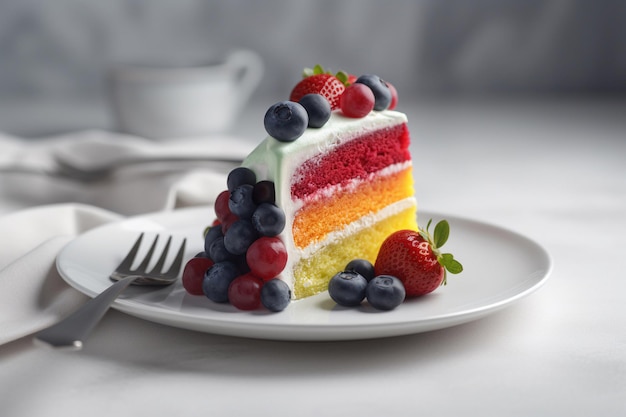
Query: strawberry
point(415, 259)
point(319, 81)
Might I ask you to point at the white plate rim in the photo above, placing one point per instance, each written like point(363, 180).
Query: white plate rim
point(361, 323)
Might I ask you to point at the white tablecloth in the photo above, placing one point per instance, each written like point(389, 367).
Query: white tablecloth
point(554, 171)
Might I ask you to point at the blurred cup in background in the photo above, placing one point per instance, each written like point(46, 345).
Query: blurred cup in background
point(169, 102)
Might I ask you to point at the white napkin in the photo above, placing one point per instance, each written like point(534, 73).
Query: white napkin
point(45, 212)
point(33, 294)
point(131, 190)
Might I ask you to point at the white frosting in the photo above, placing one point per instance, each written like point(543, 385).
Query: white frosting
point(273, 159)
point(360, 224)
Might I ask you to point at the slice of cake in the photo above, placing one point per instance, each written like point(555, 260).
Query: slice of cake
point(344, 188)
point(328, 185)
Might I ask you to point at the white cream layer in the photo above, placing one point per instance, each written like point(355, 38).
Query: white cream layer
point(352, 185)
point(358, 225)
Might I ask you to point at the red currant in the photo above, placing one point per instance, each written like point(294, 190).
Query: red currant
point(221, 205)
point(357, 101)
point(193, 274)
point(267, 257)
point(394, 96)
point(245, 292)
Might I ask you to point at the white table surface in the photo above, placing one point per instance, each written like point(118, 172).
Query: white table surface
point(554, 171)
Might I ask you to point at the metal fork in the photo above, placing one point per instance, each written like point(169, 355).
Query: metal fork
point(72, 331)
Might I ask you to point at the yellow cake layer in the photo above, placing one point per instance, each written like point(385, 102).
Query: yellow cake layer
point(314, 221)
point(313, 273)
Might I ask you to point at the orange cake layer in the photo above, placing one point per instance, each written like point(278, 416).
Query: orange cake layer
point(326, 214)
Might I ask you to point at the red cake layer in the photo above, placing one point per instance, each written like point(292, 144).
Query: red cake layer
point(355, 159)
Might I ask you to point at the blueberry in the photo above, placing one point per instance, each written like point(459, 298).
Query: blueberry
point(347, 288)
point(264, 192)
point(268, 219)
point(363, 267)
point(218, 252)
point(318, 109)
point(385, 292)
point(240, 176)
point(213, 233)
point(286, 121)
point(240, 202)
point(382, 93)
point(239, 237)
point(217, 279)
point(275, 295)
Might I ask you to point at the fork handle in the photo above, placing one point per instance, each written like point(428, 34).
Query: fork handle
point(72, 331)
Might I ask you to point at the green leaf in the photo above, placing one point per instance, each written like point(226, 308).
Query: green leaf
point(442, 231)
point(452, 265)
point(343, 77)
point(455, 267)
point(318, 69)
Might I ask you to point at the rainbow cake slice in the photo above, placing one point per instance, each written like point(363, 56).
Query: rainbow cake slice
point(311, 206)
point(344, 188)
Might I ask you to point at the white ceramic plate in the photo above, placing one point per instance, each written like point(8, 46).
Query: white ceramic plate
point(500, 267)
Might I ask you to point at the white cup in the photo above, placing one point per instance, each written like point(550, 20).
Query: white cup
point(170, 102)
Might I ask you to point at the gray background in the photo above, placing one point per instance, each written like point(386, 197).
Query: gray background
point(58, 51)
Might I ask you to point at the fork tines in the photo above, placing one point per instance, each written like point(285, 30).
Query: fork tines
point(126, 264)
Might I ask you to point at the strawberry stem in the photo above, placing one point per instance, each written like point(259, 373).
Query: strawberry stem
point(436, 241)
point(318, 69)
